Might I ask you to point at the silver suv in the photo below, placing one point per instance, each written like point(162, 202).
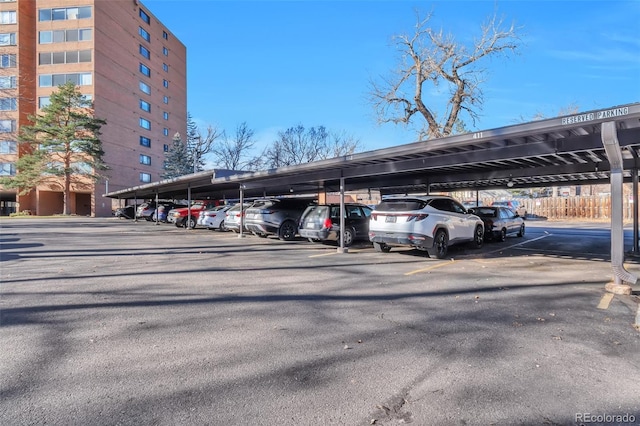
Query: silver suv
point(430, 223)
point(276, 216)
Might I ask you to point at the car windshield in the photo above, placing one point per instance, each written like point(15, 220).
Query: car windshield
point(401, 205)
point(485, 212)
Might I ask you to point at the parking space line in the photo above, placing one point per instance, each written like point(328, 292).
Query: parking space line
point(605, 301)
point(518, 244)
point(434, 266)
point(324, 254)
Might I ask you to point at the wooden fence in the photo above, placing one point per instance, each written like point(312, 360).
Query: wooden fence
point(596, 207)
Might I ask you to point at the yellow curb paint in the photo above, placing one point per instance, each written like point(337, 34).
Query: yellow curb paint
point(437, 265)
point(604, 302)
point(324, 254)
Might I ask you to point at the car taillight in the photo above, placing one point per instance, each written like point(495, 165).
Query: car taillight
point(374, 216)
point(490, 224)
point(327, 223)
point(417, 217)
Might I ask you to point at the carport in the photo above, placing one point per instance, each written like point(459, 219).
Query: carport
point(587, 148)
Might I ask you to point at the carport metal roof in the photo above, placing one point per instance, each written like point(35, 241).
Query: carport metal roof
point(559, 151)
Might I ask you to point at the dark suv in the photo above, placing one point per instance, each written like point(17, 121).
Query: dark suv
point(321, 222)
point(276, 216)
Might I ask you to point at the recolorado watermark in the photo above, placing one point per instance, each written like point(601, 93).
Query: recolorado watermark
point(586, 418)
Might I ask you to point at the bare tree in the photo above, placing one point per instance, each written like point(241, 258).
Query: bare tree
point(232, 153)
point(433, 57)
point(298, 145)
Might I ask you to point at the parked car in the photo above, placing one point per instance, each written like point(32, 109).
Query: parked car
point(499, 222)
point(146, 210)
point(514, 205)
point(321, 222)
point(126, 212)
point(276, 216)
point(232, 217)
point(179, 216)
point(162, 212)
point(430, 223)
point(214, 218)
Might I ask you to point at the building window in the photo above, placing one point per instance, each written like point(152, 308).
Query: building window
point(165, 132)
point(145, 159)
point(8, 82)
point(145, 124)
point(165, 51)
point(145, 106)
point(7, 126)
point(8, 17)
point(7, 169)
point(8, 39)
point(145, 141)
point(165, 99)
point(165, 67)
point(145, 177)
point(68, 57)
point(165, 35)
point(8, 147)
point(144, 87)
point(145, 52)
point(8, 61)
point(55, 80)
point(165, 83)
point(63, 14)
point(165, 115)
point(145, 17)
point(8, 104)
point(61, 36)
point(145, 70)
point(165, 147)
point(43, 101)
point(144, 34)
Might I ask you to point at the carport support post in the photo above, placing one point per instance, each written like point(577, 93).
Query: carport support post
point(240, 233)
point(635, 210)
point(135, 207)
point(622, 279)
point(189, 206)
point(156, 212)
point(342, 248)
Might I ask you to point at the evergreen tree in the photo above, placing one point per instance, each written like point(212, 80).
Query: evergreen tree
point(62, 147)
point(178, 161)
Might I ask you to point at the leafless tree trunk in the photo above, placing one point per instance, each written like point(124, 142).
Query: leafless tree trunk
point(231, 153)
point(435, 58)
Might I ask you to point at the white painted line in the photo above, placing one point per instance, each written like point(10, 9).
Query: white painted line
point(517, 245)
point(605, 301)
point(638, 319)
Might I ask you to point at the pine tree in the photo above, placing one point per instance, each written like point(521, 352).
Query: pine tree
point(178, 161)
point(62, 147)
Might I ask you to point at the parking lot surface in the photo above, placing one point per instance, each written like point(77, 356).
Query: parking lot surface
point(107, 321)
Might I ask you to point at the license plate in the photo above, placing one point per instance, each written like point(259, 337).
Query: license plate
point(390, 219)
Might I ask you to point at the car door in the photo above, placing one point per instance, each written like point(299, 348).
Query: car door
point(509, 218)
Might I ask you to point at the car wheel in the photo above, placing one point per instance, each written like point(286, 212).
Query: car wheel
point(521, 231)
point(478, 239)
point(381, 247)
point(221, 228)
point(288, 231)
point(179, 223)
point(192, 223)
point(348, 236)
point(503, 235)
point(441, 244)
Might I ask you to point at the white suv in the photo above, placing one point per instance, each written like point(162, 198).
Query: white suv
point(430, 223)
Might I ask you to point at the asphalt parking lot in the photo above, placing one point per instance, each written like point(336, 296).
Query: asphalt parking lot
point(111, 322)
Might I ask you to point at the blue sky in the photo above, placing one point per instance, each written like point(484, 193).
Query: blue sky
point(277, 64)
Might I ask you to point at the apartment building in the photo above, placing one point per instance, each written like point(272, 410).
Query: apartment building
point(121, 57)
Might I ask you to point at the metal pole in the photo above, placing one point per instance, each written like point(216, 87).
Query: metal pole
point(156, 212)
point(635, 210)
point(189, 206)
point(342, 248)
point(240, 233)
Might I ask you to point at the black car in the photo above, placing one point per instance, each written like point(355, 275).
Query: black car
point(276, 216)
point(126, 212)
point(321, 222)
point(499, 222)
